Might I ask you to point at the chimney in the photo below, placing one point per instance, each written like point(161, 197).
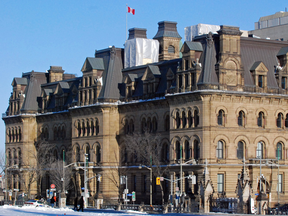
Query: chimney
point(169, 40)
point(55, 73)
point(137, 33)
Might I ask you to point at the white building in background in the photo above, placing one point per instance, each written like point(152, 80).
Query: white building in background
point(274, 27)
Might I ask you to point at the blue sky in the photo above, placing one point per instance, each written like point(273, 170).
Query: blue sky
point(36, 34)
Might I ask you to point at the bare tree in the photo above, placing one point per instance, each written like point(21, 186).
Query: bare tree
point(61, 178)
point(116, 172)
point(146, 149)
point(33, 167)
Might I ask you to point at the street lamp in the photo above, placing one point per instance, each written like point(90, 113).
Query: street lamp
point(85, 177)
point(149, 168)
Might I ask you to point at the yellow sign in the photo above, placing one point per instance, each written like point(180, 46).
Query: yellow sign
point(158, 181)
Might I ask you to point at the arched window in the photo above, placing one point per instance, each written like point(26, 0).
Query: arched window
point(240, 150)
point(187, 150)
point(286, 121)
point(165, 152)
point(260, 119)
point(97, 127)
point(178, 121)
point(241, 118)
point(167, 123)
point(126, 127)
point(259, 151)
point(178, 153)
point(279, 151)
point(79, 129)
point(221, 117)
point(77, 154)
point(83, 129)
point(279, 120)
point(20, 135)
point(19, 158)
point(219, 150)
point(171, 49)
point(9, 158)
point(92, 129)
point(15, 156)
point(98, 154)
point(196, 118)
point(131, 126)
point(183, 119)
point(154, 124)
point(55, 154)
point(149, 125)
point(87, 153)
point(196, 148)
point(143, 125)
point(190, 119)
point(88, 129)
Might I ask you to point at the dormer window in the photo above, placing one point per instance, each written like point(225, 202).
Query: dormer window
point(259, 73)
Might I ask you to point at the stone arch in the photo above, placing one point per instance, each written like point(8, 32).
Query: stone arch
point(279, 111)
point(174, 112)
point(221, 108)
point(221, 137)
point(277, 140)
point(241, 109)
point(261, 110)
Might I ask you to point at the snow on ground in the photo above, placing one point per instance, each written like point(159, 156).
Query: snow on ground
point(48, 211)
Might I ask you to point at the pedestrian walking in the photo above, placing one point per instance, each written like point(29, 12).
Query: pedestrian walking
point(52, 201)
point(81, 203)
point(75, 203)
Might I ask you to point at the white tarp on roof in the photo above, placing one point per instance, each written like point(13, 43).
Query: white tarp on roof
point(140, 51)
point(200, 29)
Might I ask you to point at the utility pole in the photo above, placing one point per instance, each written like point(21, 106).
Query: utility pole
point(85, 182)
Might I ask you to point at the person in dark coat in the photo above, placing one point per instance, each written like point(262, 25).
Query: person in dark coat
point(75, 203)
point(52, 202)
point(81, 203)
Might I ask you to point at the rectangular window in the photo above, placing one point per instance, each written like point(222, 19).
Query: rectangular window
point(283, 82)
point(220, 183)
point(260, 81)
point(280, 183)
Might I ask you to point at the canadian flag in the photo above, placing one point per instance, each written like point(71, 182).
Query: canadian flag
point(131, 10)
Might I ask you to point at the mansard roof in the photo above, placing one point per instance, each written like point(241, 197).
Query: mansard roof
point(208, 59)
point(255, 50)
point(112, 74)
point(33, 91)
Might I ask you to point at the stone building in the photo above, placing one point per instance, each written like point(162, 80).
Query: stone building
point(219, 113)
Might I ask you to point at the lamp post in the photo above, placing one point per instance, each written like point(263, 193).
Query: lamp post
point(149, 168)
point(85, 181)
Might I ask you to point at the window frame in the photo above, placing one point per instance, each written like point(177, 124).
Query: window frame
point(220, 150)
point(220, 183)
point(259, 151)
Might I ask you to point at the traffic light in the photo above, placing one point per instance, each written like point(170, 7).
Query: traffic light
point(158, 181)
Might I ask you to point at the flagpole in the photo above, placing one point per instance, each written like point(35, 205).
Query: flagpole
point(126, 22)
